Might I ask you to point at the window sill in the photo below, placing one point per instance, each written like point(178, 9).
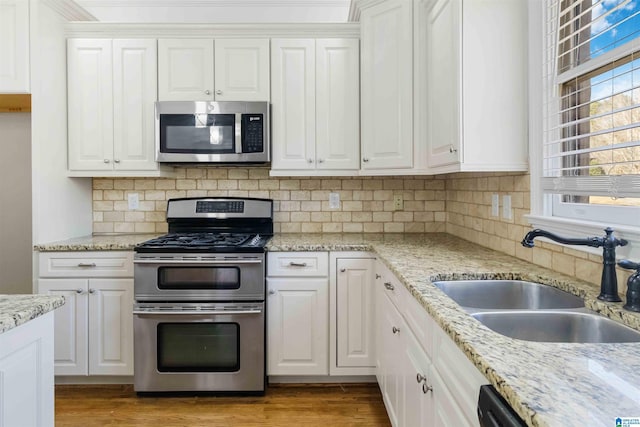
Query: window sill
point(579, 229)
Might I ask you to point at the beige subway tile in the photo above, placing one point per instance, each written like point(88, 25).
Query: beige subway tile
point(301, 195)
point(123, 184)
point(217, 193)
point(352, 184)
point(103, 227)
point(113, 216)
point(195, 173)
point(372, 184)
point(217, 173)
point(269, 184)
point(382, 216)
point(180, 173)
point(320, 195)
point(162, 227)
point(122, 205)
point(393, 184)
point(482, 184)
point(400, 216)
point(238, 193)
point(144, 227)
point(423, 216)
point(97, 195)
point(414, 227)
point(425, 195)
point(524, 253)
point(259, 173)
point(434, 206)
point(159, 205)
point(588, 271)
point(393, 227)
point(563, 263)
point(186, 184)
point(362, 216)
point(439, 216)
point(239, 173)
point(434, 184)
point(363, 195)
point(383, 195)
point(228, 184)
point(300, 217)
point(493, 183)
point(261, 194)
point(352, 227)
point(282, 216)
point(350, 205)
point(373, 227)
point(206, 184)
point(113, 195)
point(575, 253)
point(311, 227)
point(522, 183)
point(155, 195)
point(311, 184)
point(248, 184)
point(290, 184)
point(165, 184)
point(435, 227)
point(517, 200)
point(310, 206)
point(320, 216)
point(123, 227)
point(98, 216)
point(99, 205)
point(289, 206)
point(331, 227)
point(345, 195)
point(102, 184)
point(144, 184)
point(542, 257)
point(372, 206)
point(414, 184)
point(280, 195)
point(290, 227)
point(331, 184)
point(154, 216)
point(134, 216)
point(341, 216)
point(276, 227)
point(174, 194)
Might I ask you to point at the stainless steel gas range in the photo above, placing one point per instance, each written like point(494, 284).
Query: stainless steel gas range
point(199, 316)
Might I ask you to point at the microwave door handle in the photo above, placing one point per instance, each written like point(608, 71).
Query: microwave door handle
point(238, 133)
point(196, 261)
point(194, 312)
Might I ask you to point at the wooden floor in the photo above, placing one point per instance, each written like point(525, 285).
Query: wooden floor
point(282, 405)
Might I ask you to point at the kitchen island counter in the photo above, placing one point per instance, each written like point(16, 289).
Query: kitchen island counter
point(16, 310)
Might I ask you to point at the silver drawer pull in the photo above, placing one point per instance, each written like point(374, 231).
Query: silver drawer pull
point(86, 264)
point(420, 378)
point(297, 264)
point(194, 312)
point(389, 286)
point(426, 388)
point(395, 330)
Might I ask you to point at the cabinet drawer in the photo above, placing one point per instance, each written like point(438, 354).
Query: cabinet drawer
point(390, 284)
point(298, 264)
point(421, 324)
point(86, 264)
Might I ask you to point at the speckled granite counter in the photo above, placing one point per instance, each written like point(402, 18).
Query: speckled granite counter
point(115, 242)
point(548, 384)
point(18, 309)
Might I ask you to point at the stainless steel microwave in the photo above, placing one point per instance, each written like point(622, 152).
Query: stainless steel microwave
point(212, 132)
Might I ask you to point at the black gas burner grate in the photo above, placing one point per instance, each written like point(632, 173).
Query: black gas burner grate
point(199, 239)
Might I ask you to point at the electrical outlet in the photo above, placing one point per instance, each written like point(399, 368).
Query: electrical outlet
point(334, 200)
point(506, 207)
point(495, 205)
point(133, 201)
point(398, 202)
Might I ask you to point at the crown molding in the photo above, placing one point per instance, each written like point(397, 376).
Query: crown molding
point(354, 11)
point(69, 10)
point(285, 30)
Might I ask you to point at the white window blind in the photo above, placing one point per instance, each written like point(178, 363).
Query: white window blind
point(592, 103)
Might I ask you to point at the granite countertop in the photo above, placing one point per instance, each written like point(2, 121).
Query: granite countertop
point(548, 384)
point(16, 310)
point(106, 242)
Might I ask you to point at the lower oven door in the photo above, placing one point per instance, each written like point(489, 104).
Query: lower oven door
point(199, 347)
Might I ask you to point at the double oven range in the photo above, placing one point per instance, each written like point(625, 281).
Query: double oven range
point(199, 315)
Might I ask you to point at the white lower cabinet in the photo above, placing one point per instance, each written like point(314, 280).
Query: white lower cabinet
point(424, 377)
point(94, 329)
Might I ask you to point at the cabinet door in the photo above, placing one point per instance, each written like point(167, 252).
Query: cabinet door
point(134, 94)
point(90, 104)
point(14, 46)
point(70, 326)
point(418, 395)
point(337, 104)
point(354, 313)
point(242, 70)
point(444, 52)
point(111, 326)
point(392, 359)
point(298, 327)
point(293, 103)
point(387, 97)
point(185, 70)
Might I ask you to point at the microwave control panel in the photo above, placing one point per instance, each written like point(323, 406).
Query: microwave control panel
point(252, 133)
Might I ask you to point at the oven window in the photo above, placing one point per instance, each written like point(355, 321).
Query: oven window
point(197, 133)
point(214, 278)
point(198, 347)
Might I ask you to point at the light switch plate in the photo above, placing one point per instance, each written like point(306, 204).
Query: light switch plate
point(495, 205)
point(133, 201)
point(506, 207)
point(334, 200)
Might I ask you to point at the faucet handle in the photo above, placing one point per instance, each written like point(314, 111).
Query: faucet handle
point(625, 263)
point(613, 240)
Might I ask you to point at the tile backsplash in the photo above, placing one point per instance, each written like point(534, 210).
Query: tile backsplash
point(301, 204)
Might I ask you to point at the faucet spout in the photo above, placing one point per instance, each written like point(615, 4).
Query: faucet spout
point(609, 282)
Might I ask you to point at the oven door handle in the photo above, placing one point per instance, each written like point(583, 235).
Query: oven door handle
point(194, 312)
point(192, 261)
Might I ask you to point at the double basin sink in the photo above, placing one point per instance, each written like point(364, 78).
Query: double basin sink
point(534, 312)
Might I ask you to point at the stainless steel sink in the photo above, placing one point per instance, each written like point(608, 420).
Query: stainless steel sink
point(507, 294)
point(557, 326)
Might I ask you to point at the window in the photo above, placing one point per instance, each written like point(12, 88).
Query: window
point(591, 111)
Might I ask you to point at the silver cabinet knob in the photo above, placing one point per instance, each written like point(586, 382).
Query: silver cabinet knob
point(364, 159)
point(342, 270)
point(79, 291)
point(378, 276)
point(207, 92)
point(420, 377)
point(426, 388)
point(395, 330)
point(272, 292)
point(92, 291)
point(107, 160)
point(218, 92)
point(309, 160)
point(389, 286)
point(453, 150)
point(117, 160)
point(320, 160)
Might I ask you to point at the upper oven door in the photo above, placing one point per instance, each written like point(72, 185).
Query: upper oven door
point(231, 132)
point(179, 277)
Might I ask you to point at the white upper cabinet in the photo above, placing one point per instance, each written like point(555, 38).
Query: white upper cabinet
point(476, 85)
point(111, 95)
point(242, 70)
point(188, 70)
point(185, 70)
point(14, 46)
point(315, 104)
point(387, 88)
